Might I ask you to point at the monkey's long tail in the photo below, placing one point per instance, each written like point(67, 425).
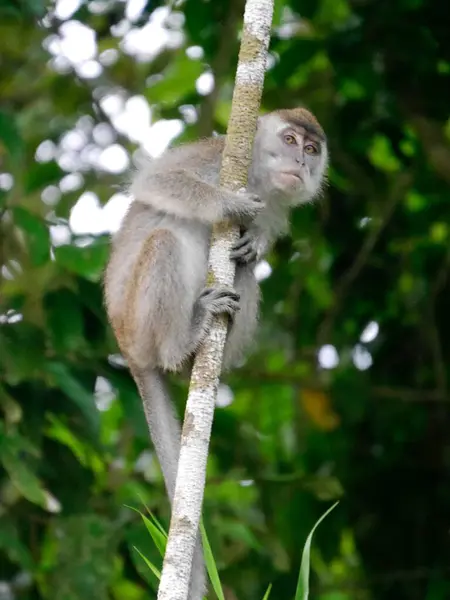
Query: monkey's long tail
point(162, 422)
point(165, 432)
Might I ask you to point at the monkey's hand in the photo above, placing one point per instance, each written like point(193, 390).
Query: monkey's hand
point(243, 206)
point(248, 249)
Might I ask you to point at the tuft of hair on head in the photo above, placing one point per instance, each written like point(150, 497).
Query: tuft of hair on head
point(302, 117)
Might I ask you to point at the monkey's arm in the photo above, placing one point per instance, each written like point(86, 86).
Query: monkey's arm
point(183, 194)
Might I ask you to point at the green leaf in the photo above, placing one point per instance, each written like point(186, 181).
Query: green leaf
point(130, 402)
point(150, 565)
point(21, 351)
point(68, 384)
point(9, 11)
point(382, 156)
point(64, 320)
point(267, 594)
point(11, 409)
point(37, 235)
point(157, 523)
point(40, 175)
point(178, 80)
point(279, 10)
point(10, 136)
point(84, 452)
point(302, 592)
point(211, 564)
point(23, 478)
point(12, 546)
point(78, 558)
point(37, 8)
point(87, 261)
point(298, 53)
point(158, 536)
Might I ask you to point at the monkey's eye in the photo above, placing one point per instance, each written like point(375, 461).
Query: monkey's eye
point(290, 139)
point(311, 149)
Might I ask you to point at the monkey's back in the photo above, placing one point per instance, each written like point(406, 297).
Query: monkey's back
point(191, 245)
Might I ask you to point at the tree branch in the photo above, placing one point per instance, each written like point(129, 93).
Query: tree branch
point(189, 488)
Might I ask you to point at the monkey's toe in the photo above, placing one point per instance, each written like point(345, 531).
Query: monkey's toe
point(225, 305)
point(212, 294)
point(220, 300)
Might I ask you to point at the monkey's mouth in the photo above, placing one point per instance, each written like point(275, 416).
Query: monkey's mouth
point(292, 177)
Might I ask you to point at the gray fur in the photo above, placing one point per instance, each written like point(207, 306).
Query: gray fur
point(155, 280)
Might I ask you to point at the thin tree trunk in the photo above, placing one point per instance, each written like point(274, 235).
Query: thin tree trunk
point(187, 504)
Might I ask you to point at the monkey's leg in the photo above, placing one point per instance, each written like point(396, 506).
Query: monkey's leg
point(242, 330)
point(160, 304)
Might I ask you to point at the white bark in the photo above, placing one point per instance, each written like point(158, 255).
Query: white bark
point(187, 504)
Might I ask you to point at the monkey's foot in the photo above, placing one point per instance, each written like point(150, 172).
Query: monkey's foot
point(219, 300)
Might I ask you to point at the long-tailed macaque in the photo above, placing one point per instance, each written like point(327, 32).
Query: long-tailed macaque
point(155, 283)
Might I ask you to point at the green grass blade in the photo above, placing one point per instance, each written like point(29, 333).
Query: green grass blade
point(155, 520)
point(150, 565)
point(302, 591)
point(158, 525)
point(211, 564)
point(155, 530)
point(159, 539)
point(267, 594)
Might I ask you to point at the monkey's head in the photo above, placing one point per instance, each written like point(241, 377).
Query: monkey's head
point(291, 151)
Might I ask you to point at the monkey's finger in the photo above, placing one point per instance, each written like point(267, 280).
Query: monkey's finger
point(231, 310)
point(251, 256)
point(216, 291)
point(245, 239)
point(246, 258)
point(239, 252)
point(245, 254)
point(229, 307)
point(227, 293)
point(219, 293)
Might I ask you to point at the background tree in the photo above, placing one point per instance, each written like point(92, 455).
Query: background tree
point(346, 394)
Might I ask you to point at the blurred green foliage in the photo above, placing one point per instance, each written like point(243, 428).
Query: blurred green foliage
point(373, 430)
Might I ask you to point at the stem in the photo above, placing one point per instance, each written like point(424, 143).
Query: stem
point(206, 371)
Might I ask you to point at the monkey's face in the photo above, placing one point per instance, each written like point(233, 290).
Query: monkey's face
point(293, 155)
